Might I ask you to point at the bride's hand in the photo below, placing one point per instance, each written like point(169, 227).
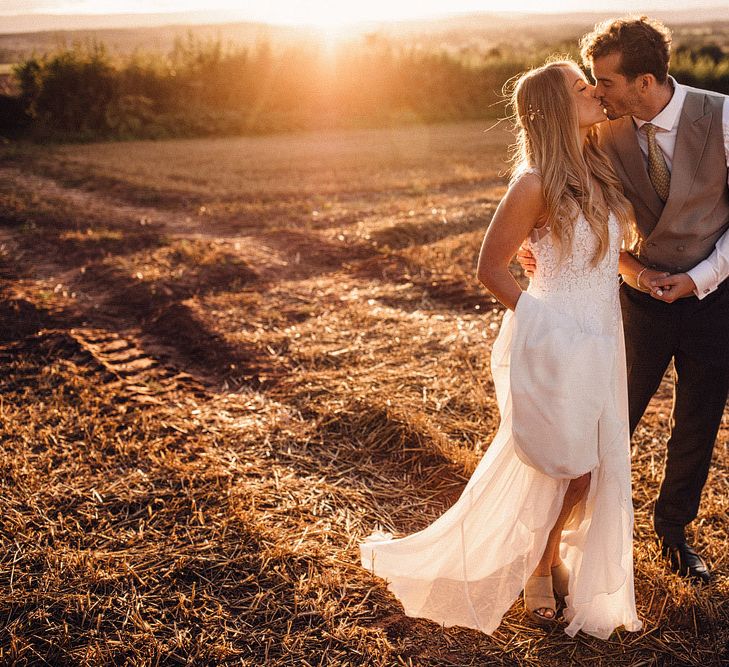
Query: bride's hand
point(527, 261)
point(653, 281)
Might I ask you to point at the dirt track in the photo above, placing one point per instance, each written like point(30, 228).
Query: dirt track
point(223, 361)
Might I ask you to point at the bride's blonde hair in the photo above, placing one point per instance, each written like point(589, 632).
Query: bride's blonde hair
point(548, 138)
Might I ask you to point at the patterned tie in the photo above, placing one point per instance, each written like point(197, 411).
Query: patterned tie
point(657, 168)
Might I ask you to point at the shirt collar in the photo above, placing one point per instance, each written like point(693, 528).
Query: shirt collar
point(668, 117)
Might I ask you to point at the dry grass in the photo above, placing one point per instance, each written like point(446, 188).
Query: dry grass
point(223, 362)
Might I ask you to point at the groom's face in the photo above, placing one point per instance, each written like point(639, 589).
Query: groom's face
point(617, 94)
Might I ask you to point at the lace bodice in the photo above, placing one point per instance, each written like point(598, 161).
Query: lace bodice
point(571, 283)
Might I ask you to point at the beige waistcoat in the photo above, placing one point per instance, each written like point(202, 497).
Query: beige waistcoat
point(678, 235)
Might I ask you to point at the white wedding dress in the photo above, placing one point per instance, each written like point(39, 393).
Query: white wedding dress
point(469, 566)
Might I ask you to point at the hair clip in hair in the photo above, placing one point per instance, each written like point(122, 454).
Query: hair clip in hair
point(534, 113)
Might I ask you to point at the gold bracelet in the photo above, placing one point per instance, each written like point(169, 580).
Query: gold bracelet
point(640, 273)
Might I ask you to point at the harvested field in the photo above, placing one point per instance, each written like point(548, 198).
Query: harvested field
point(223, 361)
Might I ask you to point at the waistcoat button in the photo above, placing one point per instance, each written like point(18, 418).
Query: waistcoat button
point(679, 248)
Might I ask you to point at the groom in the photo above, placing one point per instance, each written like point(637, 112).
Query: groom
point(669, 145)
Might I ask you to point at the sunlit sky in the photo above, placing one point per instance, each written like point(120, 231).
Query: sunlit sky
point(328, 12)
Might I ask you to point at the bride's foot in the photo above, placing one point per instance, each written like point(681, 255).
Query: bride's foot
point(561, 579)
point(539, 599)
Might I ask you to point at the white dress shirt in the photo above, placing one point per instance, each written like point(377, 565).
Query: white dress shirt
point(708, 274)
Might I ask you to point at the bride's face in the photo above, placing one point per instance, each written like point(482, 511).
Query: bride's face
point(589, 109)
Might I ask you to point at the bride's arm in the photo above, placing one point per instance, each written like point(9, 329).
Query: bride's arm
point(635, 273)
point(520, 210)
point(630, 266)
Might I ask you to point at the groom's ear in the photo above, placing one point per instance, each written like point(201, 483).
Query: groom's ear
point(646, 82)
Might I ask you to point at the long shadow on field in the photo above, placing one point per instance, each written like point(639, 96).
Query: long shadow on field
point(160, 309)
point(97, 258)
point(105, 553)
point(394, 453)
point(308, 255)
point(19, 318)
point(112, 298)
point(59, 232)
point(72, 175)
point(453, 291)
point(413, 232)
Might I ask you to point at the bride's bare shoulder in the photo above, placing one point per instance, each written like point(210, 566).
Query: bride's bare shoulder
point(526, 187)
point(528, 178)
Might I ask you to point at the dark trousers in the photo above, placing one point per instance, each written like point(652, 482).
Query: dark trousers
point(695, 335)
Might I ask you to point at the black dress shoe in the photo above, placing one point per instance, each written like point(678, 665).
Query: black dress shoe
point(686, 562)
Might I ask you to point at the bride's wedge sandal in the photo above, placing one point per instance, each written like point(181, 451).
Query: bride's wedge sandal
point(538, 596)
point(561, 580)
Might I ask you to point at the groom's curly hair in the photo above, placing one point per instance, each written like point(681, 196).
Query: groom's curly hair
point(644, 46)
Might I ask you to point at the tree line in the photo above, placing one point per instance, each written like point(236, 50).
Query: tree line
point(200, 88)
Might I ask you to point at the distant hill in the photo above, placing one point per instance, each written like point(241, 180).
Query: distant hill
point(52, 22)
point(23, 23)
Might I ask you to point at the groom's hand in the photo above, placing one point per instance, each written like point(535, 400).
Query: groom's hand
point(651, 280)
point(527, 261)
point(673, 287)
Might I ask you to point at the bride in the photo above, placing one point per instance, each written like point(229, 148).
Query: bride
point(548, 509)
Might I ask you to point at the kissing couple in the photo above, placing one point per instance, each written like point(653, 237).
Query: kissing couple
point(622, 175)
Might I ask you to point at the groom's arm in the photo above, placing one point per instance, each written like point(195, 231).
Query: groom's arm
point(703, 279)
point(710, 273)
point(706, 276)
